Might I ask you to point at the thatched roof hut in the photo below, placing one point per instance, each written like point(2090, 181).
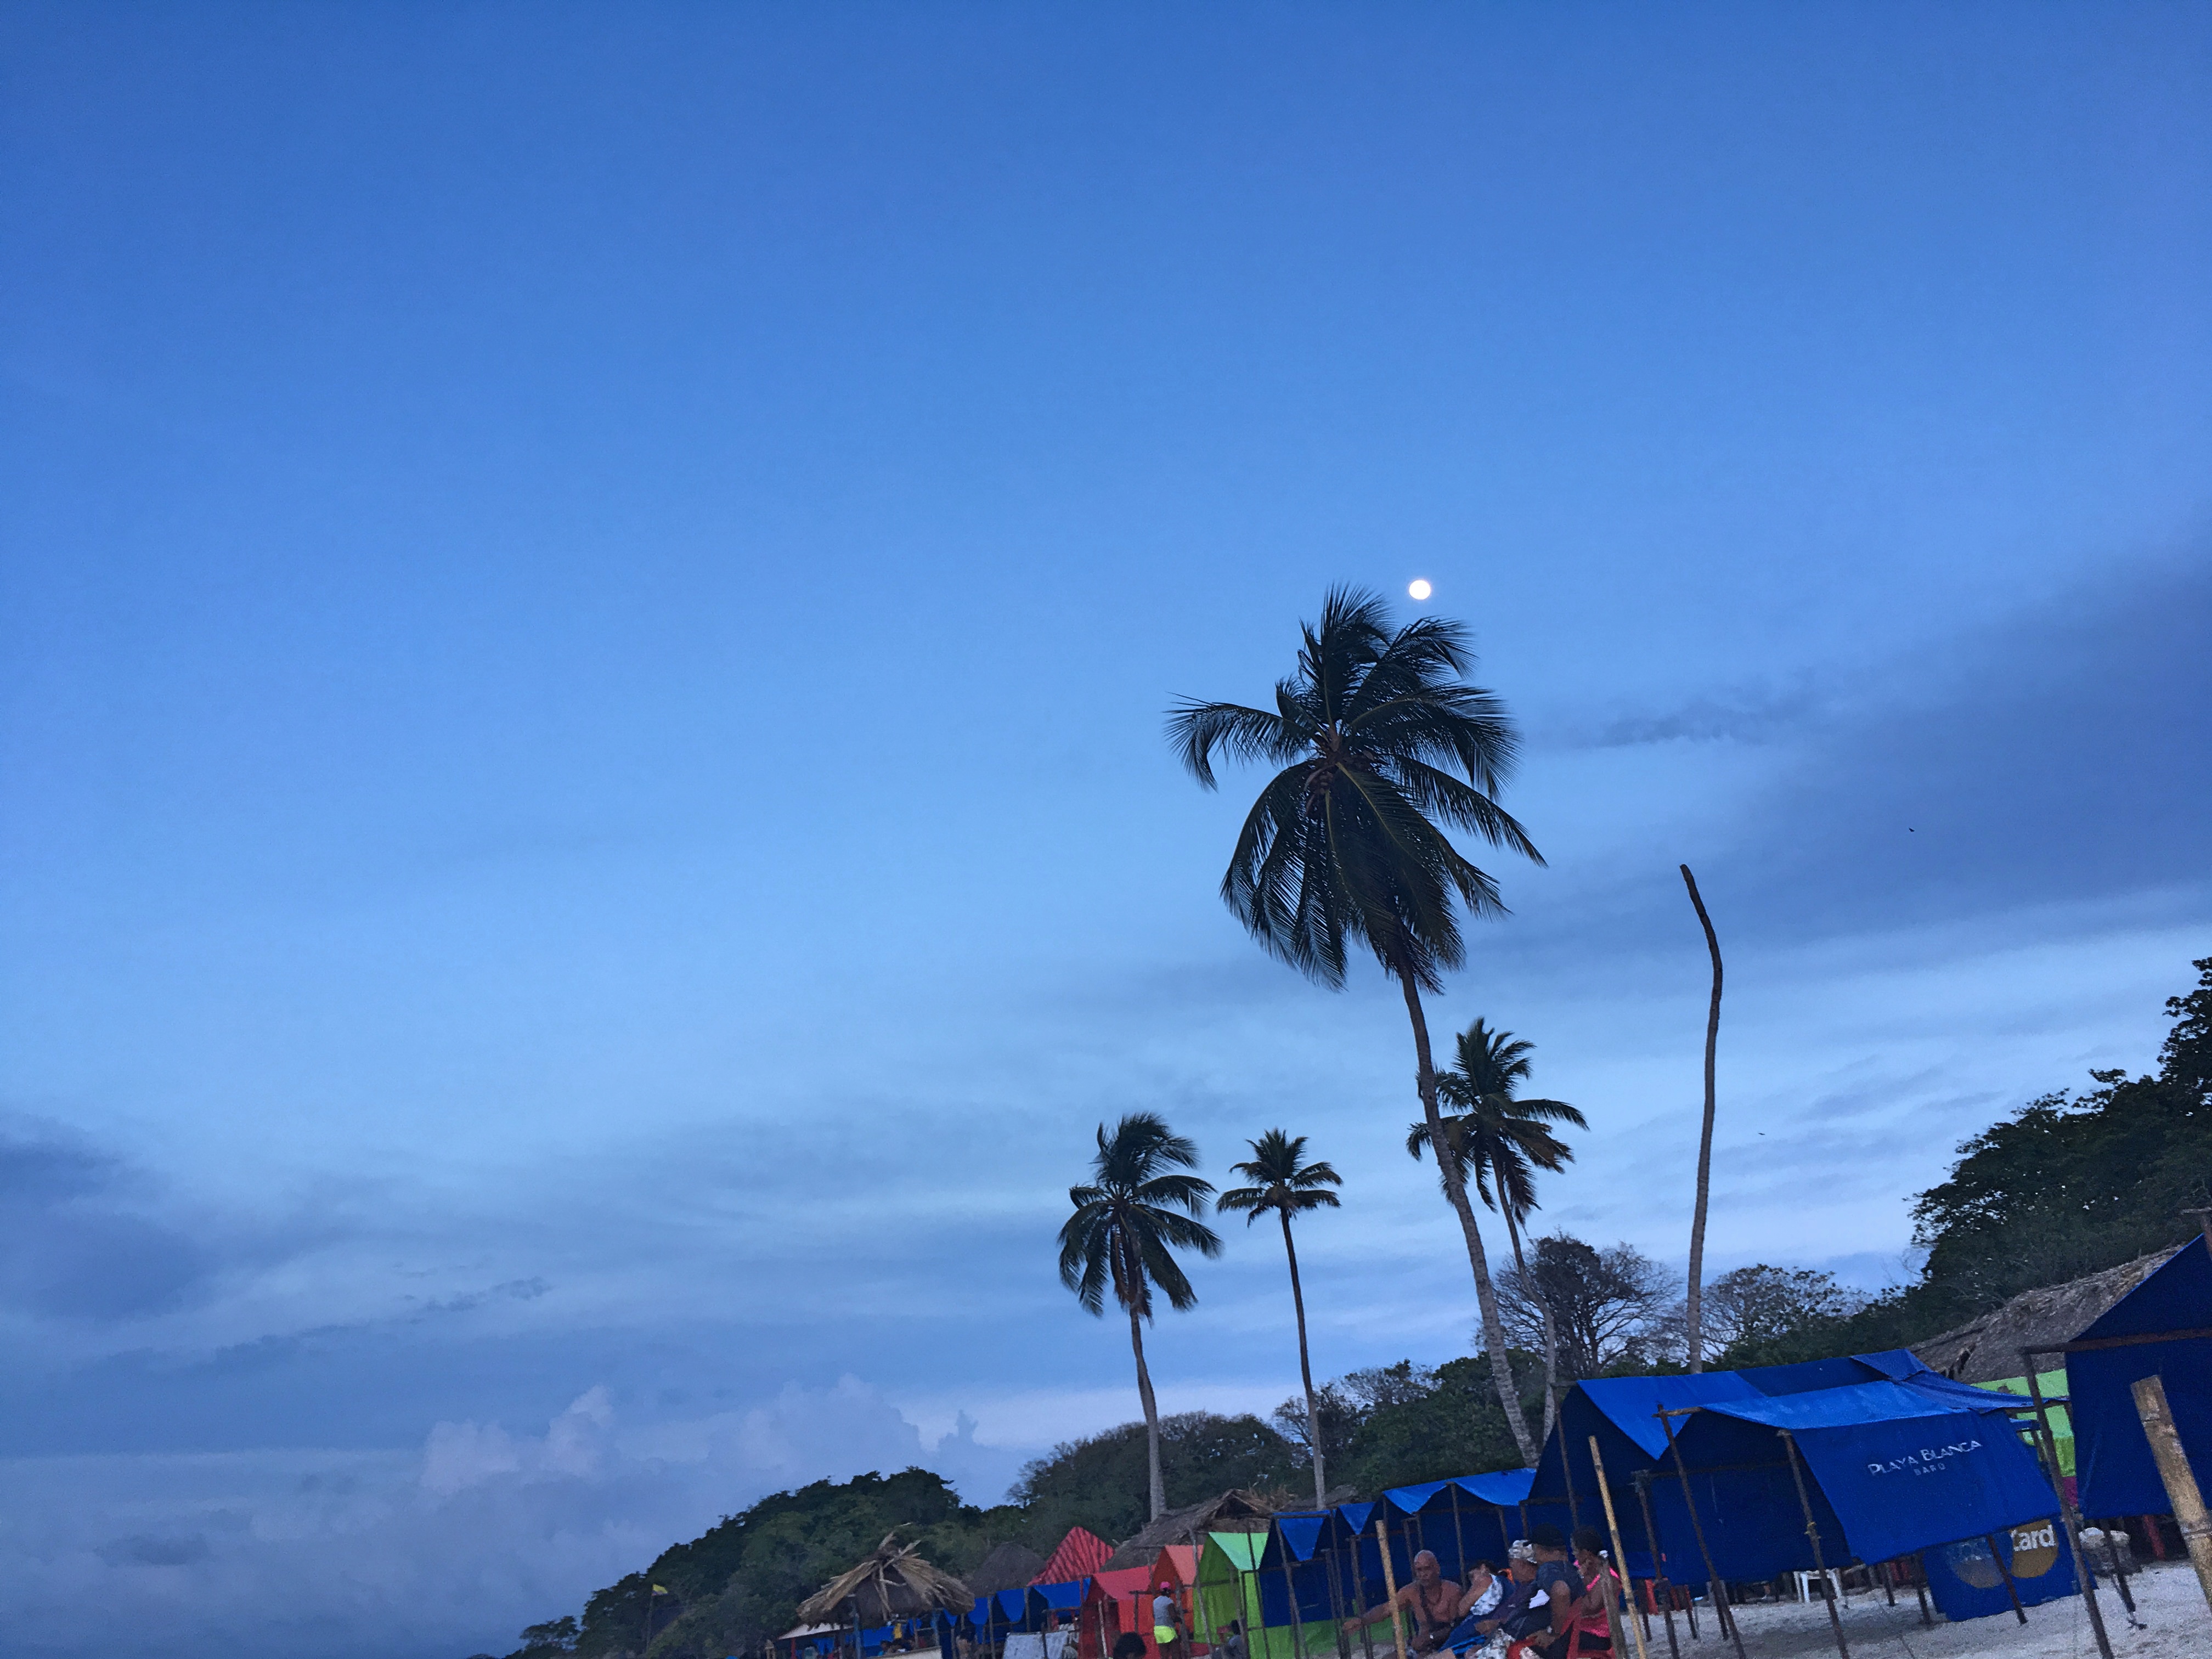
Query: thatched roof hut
point(1987, 1349)
point(1235, 1510)
point(1009, 1566)
point(892, 1583)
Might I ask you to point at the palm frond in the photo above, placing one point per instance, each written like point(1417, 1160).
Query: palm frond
point(1239, 733)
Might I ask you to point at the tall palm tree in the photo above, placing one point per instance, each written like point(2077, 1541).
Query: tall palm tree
point(1378, 739)
point(1286, 1185)
point(1136, 1211)
point(1500, 1142)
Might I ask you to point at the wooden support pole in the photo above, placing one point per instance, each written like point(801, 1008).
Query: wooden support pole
point(1712, 1576)
point(1812, 1533)
point(1662, 1588)
point(1390, 1583)
point(1290, 1598)
point(2068, 1516)
point(2004, 1572)
point(1619, 1555)
point(2181, 1488)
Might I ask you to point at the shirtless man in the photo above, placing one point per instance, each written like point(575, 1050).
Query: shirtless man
point(1430, 1603)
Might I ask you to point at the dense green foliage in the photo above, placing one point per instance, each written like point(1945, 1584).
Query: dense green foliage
point(1392, 1426)
point(742, 1579)
point(2067, 1185)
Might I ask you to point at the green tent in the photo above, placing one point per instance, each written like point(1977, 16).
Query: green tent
point(2053, 1384)
point(1226, 1590)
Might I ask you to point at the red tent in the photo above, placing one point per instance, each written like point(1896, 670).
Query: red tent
point(1080, 1554)
point(1116, 1601)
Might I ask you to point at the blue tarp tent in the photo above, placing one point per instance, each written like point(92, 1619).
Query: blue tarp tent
point(1889, 1469)
point(1469, 1517)
point(1308, 1575)
point(2111, 1458)
point(1623, 1413)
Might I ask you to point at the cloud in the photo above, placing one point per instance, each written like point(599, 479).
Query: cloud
point(72, 1244)
point(382, 1555)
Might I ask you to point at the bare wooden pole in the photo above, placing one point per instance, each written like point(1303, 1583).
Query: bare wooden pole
point(1812, 1532)
point(1697, 1305)
point(1713, 1578)
point(1390, 1583)
point(1662, 1588)
point(2180, 1481)
point(2068, 1516)
point(1619, 1555)
point(1291, 1597)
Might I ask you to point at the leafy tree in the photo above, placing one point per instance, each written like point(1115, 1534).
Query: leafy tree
point(1286, 1185)
point(1751, 1306)
point(744, 1578)
point(555, 1635)
point(1609, 1307)
point(1379, 742)
point(1499, 1142)
point(1128, 1222)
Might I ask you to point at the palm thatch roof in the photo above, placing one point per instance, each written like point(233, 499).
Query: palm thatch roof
point(1987, 1349)
point(1009, 1566)
point(892, 1583)
point(1235, 1510)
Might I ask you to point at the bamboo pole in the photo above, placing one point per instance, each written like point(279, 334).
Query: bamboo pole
point(1291, 1597)
point(1713, 1578)
point(1619, 1555)
point(2069, 1515)
point(2180, 1481)
point(1662, 1588)
point(1812, 1532)
point(1389, 1583)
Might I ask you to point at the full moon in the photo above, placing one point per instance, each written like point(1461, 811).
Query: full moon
point(1419, 588)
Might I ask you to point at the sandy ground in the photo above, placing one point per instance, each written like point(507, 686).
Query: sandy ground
point(2177, 1625)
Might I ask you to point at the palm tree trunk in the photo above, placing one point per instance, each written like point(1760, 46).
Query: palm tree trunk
point(1695, 1311)
point(1551, 1332)
point(1485, 1294)
point(1160, 1493)
point(1305, 1370)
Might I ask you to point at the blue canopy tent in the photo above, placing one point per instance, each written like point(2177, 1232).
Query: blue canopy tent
point(1467, 1518)
point(2162, 1328)
point(1888, 1472)
point(1624, 1414)
point(1876, 1470)
point(1308, 1579)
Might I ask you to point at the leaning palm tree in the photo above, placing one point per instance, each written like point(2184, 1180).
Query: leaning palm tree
point(1377, 739)
point(1136, 1211)
point(1286, 1185)
point(1500, 1142)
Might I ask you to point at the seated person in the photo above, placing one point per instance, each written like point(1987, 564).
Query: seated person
point(1431, 1603)
point(1603, 1595)
point(1513, 1614)
point(1484, 1590)
point(1563, 1589)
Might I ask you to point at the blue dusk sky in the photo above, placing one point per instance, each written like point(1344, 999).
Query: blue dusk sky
point(588, 597)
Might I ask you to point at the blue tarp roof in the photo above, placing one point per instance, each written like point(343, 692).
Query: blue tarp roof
point(1897, 1469)
point(1623, 1411)
point(1503, 1488)
point(2111, 1458)
point(1063, 1596)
